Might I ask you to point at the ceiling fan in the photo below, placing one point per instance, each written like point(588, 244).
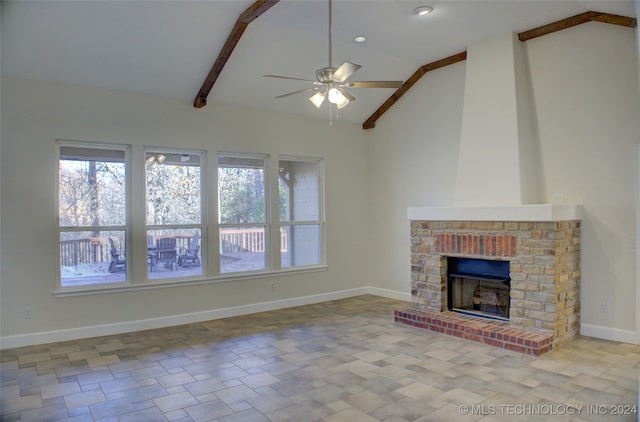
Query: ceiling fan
point(331, 82)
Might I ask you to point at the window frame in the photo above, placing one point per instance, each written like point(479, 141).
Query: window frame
point(266, 224)
point(135, 227)
point(126, 227)
point(202, 226)
point(320, 222)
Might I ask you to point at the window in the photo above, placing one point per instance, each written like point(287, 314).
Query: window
point(242, 213)
point(300, 212)
point(173, 194)
point(244, 221)
point(269, 215)
point(92, 214)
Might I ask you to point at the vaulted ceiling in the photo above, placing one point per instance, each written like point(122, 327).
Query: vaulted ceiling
point(167, 48)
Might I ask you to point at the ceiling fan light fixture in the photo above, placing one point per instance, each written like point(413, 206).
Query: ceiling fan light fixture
point(343, 103)
point(338, 98)
point(422, 10)
point(335, 96)
point(317, 99)
point(332, 81)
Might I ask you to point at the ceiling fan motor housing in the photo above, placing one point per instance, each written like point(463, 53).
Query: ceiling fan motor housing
point(325, 74)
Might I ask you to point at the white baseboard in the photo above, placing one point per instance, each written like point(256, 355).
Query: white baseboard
point(607, 333)
point(391, 294)
point(9, 342)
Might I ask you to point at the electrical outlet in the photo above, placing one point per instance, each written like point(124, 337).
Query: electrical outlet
point(632, 243)
point(558, 198)
point(27, 313)
point(272, 286)
point(604, 307)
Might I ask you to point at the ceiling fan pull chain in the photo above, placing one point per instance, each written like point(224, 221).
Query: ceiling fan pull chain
point(330, 115)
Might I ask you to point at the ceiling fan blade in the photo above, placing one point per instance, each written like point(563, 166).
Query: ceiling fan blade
point(299, 92)
point(293, 79)
point(345, 70)
point(317, 99)
point(372, 84)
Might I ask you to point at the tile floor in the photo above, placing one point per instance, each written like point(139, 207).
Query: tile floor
point(343, 360)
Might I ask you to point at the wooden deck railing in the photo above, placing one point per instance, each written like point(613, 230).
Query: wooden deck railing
point(84, 251)
point(247, 240)
point(96, 249)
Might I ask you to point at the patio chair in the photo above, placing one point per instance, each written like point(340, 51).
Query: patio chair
point(189, 256)
point(118, 259)
point(165, 252)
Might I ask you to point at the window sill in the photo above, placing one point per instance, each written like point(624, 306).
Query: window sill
point(99, 289)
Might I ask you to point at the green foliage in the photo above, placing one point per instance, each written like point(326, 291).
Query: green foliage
point(241, 195)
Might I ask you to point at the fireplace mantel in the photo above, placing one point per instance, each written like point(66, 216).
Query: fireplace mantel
point(537, 212)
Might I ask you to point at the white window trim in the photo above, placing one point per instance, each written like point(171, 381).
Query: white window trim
point(126, 228)
point(321, 208)
point(210, 239)
point(204, 216)
point(268, 212)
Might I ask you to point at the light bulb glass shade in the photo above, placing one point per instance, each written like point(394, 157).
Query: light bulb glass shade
point(317, 99)
point(335, 96)
point(150, 159)
point(342, 104)
point(161, 158)
point(338, 97)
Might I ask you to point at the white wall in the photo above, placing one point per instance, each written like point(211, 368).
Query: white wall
point(1, 8)
point(585, 89)
point(413, 153)
point(491, 95)
point(37, 113)
point(586, 96)
point(637, 12)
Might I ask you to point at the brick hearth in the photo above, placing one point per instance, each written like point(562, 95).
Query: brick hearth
point(496, 333)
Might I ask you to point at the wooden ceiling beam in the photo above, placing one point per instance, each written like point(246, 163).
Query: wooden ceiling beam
point(616, 20)
point(249, 15)
point(577, 20)
point(371, 121)
point(523, 36)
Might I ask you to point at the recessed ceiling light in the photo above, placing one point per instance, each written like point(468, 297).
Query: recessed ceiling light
point(360, 38)
point(423, 10)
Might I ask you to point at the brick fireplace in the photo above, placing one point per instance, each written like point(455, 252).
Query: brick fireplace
point(544, 266)
point(498, 215)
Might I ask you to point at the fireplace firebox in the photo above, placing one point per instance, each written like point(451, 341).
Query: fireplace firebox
point(479, 287)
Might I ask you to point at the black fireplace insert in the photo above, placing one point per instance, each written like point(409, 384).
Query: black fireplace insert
point(479, 287)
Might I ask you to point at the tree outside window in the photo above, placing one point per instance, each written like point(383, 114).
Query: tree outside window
point(95, 236)
point(173, 194)
point(242, 213)
point(92, 209)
